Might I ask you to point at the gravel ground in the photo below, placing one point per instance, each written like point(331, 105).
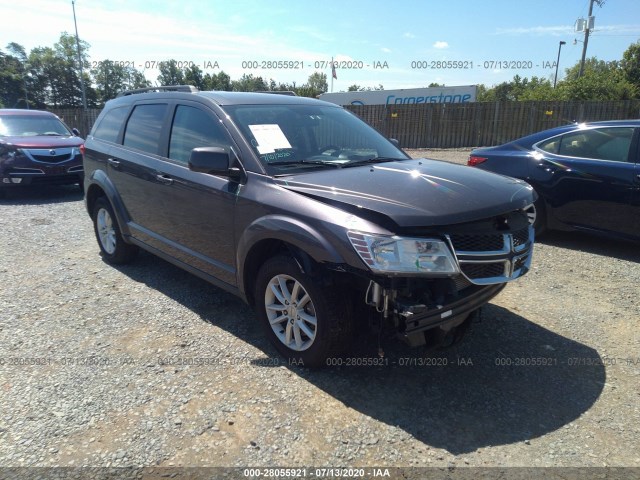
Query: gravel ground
point(146, 365)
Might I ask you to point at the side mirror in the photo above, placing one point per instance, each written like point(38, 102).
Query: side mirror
point(214, 161)
point(75, 131)
point(395, 142)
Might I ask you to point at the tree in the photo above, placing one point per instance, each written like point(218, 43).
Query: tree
point(358, 88)
point(317, 82)
point(170, 73)
point(111, 78)
point(249, 83)
point(13, 78)
point(220, 81)
point(600, 81)
point(630, 65)
point(193, 76)
point(69, 86)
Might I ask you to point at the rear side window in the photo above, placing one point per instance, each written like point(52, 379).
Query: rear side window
point(610, 144)
point(110, 124)
point(193, 128)
point(144, 127)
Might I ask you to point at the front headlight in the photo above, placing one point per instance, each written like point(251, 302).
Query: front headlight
point(393, 254)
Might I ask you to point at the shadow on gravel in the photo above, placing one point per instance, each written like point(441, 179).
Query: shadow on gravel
point(42, 195)
point(593, 243)
point(508, 381)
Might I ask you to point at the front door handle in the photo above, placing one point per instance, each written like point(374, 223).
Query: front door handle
point(546, 167)
point(164, 179)
point(114, 163)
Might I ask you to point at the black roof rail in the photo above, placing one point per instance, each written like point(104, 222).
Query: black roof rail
point(278, 92)
point(168, 88)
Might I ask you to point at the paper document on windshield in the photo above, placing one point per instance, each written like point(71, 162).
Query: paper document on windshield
point(269, 137)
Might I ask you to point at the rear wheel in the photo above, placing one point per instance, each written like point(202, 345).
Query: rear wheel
point(113, 247)
point(307, 323)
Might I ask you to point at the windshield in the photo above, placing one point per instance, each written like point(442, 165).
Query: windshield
point(287, 138)
point(31, 126)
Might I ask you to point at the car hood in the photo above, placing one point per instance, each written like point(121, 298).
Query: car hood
point(42, 141)
point(415, 192)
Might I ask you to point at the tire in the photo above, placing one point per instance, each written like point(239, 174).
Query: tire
point(537, 214)
point(112, 246)
point(314, 323)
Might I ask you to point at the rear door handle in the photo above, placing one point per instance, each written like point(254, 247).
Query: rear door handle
point(114, 163)
point(164, 179)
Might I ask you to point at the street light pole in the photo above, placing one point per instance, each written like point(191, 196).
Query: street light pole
point(555, 79)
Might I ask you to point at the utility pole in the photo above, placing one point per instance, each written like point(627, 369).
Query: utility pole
point(84, 95)
point(587, 30)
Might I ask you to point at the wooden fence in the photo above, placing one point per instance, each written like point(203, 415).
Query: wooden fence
point(447, 125)
point(452, 125)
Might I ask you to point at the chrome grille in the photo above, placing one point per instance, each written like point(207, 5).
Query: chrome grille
point(50, 155)
point(520, 238)
point(477, 243)
point(484, 270)
point(486, 259)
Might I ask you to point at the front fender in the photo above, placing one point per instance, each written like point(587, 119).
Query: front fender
point(288, 230)
point(99, 179)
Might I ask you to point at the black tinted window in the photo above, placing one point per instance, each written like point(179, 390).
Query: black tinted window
point(110, 124)
point(193, 128)
point(144, 127)
point(610, 143)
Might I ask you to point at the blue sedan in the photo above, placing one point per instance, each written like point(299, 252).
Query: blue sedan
point(587, 175)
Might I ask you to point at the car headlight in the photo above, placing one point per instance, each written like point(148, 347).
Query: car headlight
point(393, 254)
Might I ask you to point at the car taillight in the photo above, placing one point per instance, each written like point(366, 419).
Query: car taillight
point(82, 149)
point(475, 160)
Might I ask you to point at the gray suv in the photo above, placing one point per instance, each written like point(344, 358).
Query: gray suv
point(306, 212)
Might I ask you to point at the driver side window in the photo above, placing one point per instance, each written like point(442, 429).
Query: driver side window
point(610, 144)
point(193, 128)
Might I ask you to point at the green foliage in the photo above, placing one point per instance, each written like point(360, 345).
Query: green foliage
point(50, 77)
point(171, 74)
point(358, 88)
point(249, 83)
point(600, 80)
point(110, 78)
point(630, 65)
point(317, 84)
point(12, 81)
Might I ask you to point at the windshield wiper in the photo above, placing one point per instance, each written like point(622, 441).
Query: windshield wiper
point(306, 162)
point(372, 160)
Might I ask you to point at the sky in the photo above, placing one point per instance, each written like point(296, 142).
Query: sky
point(397, 44)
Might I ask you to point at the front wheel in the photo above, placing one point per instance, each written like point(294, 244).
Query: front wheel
point(308, 323)
point(537, 215)
point(112, 246)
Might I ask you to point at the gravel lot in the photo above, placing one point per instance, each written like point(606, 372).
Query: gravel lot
point(146, 365)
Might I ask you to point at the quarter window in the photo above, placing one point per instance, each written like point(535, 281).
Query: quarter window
point(144, 127)
point(109, 126)
point(193, 128)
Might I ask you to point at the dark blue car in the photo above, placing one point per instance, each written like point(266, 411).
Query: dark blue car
point(587, 175)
